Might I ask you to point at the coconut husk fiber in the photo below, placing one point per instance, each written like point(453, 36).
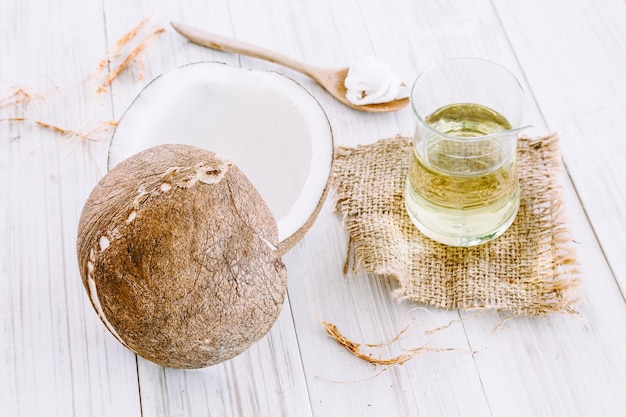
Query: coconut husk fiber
point(530, 270)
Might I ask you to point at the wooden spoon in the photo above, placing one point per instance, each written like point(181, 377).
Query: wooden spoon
point(331, 79)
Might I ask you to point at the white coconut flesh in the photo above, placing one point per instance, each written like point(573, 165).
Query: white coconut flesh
point(266, 123)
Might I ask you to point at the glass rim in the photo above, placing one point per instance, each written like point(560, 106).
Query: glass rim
point(459, 138)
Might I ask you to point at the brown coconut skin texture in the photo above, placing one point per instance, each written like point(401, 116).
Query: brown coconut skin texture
point(173, 252)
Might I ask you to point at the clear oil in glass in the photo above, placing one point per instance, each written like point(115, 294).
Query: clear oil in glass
point(463, 192)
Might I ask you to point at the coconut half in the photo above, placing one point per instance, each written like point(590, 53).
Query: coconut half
point(273, 129)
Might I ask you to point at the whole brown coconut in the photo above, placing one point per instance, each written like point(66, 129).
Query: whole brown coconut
point(175, 251)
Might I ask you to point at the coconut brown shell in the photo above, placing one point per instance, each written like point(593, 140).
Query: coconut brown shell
point(174, 252)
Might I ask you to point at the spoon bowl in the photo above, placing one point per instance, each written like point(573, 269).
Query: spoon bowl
point(332, 80)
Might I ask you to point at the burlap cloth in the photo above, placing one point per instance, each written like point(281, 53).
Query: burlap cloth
point(530, 270)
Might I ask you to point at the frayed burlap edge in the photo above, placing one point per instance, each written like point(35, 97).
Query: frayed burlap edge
point(529, 270)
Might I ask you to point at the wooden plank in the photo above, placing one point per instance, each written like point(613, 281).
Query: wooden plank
point(534, 367)
point(57, 358)
point(574, 55)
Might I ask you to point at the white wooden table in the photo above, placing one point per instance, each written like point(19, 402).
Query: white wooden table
point(57, 359)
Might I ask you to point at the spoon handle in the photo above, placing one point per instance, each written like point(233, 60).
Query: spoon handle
point(222, 43)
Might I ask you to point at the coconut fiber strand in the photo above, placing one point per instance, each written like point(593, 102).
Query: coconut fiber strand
point(530, 270)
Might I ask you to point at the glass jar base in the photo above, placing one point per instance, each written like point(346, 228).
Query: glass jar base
point(461, 241)
point(460, 237)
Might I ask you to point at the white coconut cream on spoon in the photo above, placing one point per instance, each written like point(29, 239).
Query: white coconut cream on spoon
point(371, 81)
